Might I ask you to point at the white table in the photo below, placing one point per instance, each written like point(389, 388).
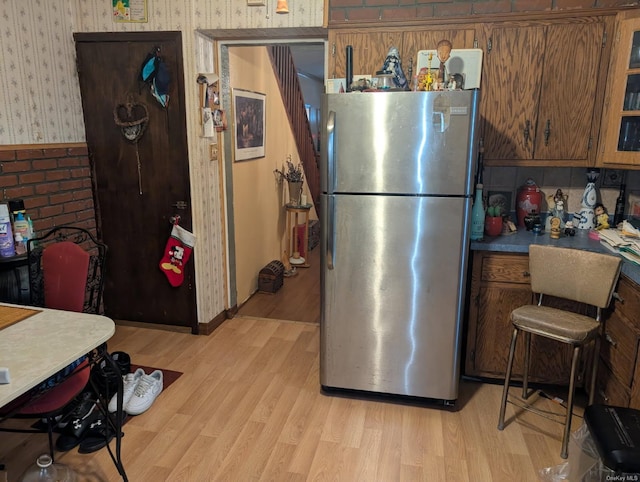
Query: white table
point(39, 346)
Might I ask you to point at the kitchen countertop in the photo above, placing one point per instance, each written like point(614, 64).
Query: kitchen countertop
point(520, 241)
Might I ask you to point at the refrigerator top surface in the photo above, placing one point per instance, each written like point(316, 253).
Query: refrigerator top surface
point(399, 143)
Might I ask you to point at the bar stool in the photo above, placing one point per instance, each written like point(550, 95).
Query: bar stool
point(572, 274)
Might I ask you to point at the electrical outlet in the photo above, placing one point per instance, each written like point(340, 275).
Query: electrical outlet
point(213, 152)
point(612, 178)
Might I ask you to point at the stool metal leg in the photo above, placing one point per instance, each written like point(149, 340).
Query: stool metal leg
point(505, 390)
point(594, 370)
point(525, 373)
point(572, 386)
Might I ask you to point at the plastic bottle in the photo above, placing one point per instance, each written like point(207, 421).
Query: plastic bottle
point(21, 225)
point(44, 470)
point(6, 234)
point(477, 216)
point(19, 244)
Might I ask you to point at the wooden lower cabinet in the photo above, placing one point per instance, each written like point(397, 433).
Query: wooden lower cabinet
point(619, 371)
point(499, 284)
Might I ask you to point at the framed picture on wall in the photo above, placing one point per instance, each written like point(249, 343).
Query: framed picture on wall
point(249, 121)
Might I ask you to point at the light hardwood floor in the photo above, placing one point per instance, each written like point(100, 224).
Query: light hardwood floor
point(297, 300)
point(249, 407)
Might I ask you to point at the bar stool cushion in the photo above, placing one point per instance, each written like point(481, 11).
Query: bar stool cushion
point(556, 324)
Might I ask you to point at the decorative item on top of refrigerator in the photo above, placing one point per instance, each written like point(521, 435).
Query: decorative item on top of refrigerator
point(442, 68)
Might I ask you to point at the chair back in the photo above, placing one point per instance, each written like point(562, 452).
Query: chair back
point(574, 274)
point(66, 270)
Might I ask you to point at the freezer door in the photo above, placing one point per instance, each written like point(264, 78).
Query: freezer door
point(393, 277)
point(399, 142)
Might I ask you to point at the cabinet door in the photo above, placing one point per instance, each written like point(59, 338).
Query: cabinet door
point(414, 41)
point(500, 284)
point(370, 48)
point(567, 98)
point(510, 90)
point(488, 352)
point(621, 123)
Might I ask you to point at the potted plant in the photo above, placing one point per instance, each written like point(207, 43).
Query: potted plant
point(295, 177)
point(493, 221)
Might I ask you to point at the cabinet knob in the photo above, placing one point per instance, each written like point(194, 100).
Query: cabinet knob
point(526, 274)
point(610, 340)
point(603, 395)
point(526, 132)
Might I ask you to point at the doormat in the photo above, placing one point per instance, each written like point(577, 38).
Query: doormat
point(168, 376)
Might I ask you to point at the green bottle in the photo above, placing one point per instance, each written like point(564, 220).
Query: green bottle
point(477, 216)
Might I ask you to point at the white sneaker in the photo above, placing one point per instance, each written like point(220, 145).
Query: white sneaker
point(129, 382)
point(145, 393)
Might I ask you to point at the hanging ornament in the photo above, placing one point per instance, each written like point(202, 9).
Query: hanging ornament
point(132, 118)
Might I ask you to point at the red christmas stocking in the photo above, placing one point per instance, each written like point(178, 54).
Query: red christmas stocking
point(176, 254)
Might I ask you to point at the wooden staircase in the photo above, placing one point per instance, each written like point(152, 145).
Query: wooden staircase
point(287, 75)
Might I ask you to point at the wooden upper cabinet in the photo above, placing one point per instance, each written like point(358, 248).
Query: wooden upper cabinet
point(540, 100)
point(510, 90)
point(620, 141)
point(370, 48)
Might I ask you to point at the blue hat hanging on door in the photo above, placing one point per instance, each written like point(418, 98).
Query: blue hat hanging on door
point(155, 73)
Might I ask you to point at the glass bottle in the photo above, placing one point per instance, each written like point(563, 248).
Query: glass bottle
point(618, 214)
point(477, 216)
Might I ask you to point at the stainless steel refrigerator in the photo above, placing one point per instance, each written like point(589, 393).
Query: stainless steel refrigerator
point(397, 172)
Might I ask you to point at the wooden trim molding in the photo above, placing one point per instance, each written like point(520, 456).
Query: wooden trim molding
point(29, 147)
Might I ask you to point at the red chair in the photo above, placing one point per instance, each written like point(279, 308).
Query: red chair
point(62, 275)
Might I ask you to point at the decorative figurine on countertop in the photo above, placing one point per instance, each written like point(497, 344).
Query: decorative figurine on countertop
point(554, 233)
point(394, 64)
point(531, 219)
point(589, 198)
point(602, 217)
point(557, 203)
point(569, 230)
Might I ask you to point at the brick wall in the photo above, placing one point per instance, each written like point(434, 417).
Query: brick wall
point(54, 182)
point(353, 11)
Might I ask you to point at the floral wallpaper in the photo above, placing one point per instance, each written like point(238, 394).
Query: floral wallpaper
point(40, 99)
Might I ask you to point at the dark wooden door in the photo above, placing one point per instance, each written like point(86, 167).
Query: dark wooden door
point(134, 225)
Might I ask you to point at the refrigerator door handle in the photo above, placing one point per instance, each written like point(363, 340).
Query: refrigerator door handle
point(331, 164)
point(331, 231)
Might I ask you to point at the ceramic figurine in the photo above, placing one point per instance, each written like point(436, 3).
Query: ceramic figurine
point(394, 65)
point(556, 203)
point(554, 233)
point(589, 198)
point(569, 230)
point(602, 217)
point(443, 50)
